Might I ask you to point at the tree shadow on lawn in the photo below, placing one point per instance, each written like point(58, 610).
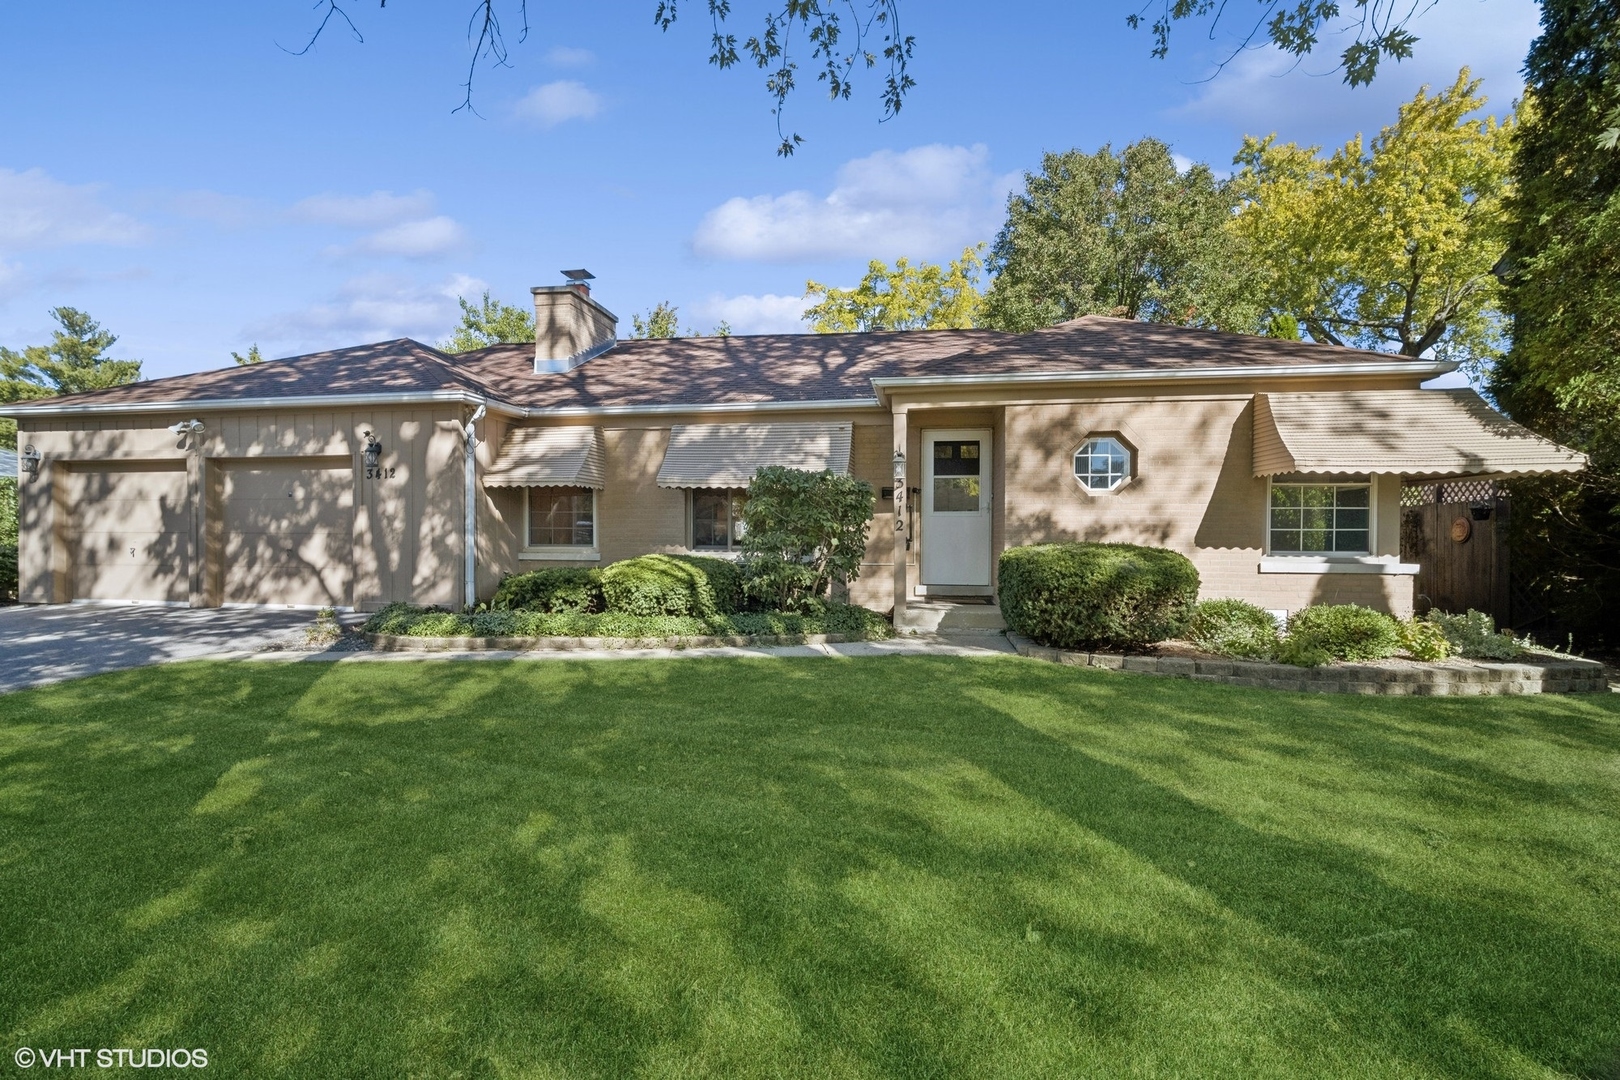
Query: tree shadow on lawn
point(897, 868)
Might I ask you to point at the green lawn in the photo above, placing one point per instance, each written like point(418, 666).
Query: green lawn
point(918, 867)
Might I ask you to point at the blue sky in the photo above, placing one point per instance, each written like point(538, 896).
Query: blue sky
point(169, 168)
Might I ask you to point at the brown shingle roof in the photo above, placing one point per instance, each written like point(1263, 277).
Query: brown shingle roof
point(737, 370)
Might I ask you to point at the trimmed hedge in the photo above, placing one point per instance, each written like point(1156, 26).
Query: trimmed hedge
point(554, 589)
point(1325, 632)
point(673, 585)
point(1234, 628)
point(406, 620)
point(1079, 595)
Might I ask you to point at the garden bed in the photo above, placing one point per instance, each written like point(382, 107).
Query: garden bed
point(1533, 673)
point(407, 643)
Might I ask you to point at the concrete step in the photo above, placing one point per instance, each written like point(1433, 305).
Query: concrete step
point(945, 616)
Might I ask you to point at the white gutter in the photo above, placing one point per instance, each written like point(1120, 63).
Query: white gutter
point(729, 406)
point(471, 500)
point(1425, 368)
point(307, 401)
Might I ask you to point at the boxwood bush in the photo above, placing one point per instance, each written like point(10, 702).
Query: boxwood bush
point(1078, 595)
point(673, 585)
point(554, 589)
point(1234, 628)
point(1325, 632)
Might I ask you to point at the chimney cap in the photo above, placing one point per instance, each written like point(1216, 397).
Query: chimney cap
point(577, 276)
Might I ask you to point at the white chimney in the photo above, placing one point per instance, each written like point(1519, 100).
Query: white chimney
point(570, 327)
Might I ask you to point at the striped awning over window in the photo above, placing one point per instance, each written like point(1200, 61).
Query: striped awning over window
point(549, 457)
point(1416, 433)
point(728, 455)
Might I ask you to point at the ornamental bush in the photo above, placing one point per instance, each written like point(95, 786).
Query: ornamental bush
point(672, 585)
point(803, 533)
point(1422, 639)
point(1234, 628)
point(406, 620)
point(1078, 595)
point(554, 589)
point(1325, 632)
point(1475, 636)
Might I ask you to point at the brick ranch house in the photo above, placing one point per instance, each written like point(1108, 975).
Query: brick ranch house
point(346, 478)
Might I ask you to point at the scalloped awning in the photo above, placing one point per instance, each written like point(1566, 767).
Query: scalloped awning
point(549, 457)
point(728, 455)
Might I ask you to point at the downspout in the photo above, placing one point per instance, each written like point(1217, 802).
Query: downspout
point(471, 537)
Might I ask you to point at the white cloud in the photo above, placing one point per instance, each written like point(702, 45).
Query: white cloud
point(226, 211)
point(415, 239)
point(37, 211)
point(363, 211)
point(1265, 91)
point(374, 307)
point(925, 202)
point(563, 56)
point(768, 314)
point(558, 102)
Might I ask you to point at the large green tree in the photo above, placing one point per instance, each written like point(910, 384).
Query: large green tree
point(75, 360)
point(1562, 274)
point(488, 322)
point(1389, 246)
point(926, 296)
point(1125, 234)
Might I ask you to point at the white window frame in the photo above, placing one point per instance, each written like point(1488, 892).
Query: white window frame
point(733, 550)
point(1333, 562)
point(563, 552)
point(1118, 440)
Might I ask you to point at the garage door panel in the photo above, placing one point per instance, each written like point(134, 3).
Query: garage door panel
point(289, 533)
point(129, 532)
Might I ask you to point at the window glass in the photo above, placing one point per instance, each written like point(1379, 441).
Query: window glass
point(562, 517)
point(956, 476)
point(1321, 519)
point(717, 519)
point(1102, 464)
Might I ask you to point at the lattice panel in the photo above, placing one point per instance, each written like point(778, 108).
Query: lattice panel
point(1469, 490)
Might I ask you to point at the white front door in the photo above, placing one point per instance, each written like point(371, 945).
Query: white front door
point(956, 501)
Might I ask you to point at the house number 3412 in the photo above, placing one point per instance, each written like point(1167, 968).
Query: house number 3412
point(381, 472)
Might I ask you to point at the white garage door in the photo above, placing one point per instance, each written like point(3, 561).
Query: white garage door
point(289, 532)
point(129, 532)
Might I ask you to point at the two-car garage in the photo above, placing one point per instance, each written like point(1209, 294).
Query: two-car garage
point(277, 531)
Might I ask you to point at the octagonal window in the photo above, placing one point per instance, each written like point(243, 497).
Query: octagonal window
point(1102, 463)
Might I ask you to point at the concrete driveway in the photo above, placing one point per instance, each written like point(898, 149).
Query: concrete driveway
point(45, 644)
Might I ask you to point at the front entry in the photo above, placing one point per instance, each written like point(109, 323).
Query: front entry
point(956, 501)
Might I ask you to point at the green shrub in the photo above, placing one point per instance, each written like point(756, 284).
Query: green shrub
point(1234, 628)
point(803, 533)
point(672, 585)
point(1077, 595)
point(556, 588)
point(405, 620)
point(1475, 636)
point(8, 571)
point(1423, 639)
point(1340, 632)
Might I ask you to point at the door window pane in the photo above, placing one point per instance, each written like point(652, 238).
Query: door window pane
point(562, 517)
point(956, 476)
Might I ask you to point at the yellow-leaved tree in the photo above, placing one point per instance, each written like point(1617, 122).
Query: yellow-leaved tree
point(926, 296)
point(1390, 246)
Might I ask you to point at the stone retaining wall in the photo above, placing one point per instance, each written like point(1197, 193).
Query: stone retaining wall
point(403, 643)
point(1442, 678)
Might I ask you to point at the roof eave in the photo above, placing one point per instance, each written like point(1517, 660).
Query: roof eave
point(306, 401)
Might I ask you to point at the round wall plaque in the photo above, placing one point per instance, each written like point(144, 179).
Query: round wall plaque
point(1461, 530)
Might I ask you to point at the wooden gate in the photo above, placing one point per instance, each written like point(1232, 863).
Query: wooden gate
point(1457, 532)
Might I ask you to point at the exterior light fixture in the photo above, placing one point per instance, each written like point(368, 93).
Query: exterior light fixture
point(30, 462)
point(372, 451)
point(899, 468)
point(187, 427)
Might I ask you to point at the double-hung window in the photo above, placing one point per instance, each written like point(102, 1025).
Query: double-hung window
point(1320, 518)
point(561, 517)
point(717, 519)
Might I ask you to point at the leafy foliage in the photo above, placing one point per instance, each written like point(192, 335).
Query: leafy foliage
point(1078, 595)
point(254, 356)
point(673, 585)
point(1339, 632)
point(488, 322)
point(855, 623)
point(804, 533)
point(1423, 639)
point(1387, 246)
point(1562, 272)
point(75, 360)
point(1124, 234)
point(922, 297)
point(1474, 635)
point(554, 589)
point(1234, 628)
point(661, 322)
point(8, 537)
